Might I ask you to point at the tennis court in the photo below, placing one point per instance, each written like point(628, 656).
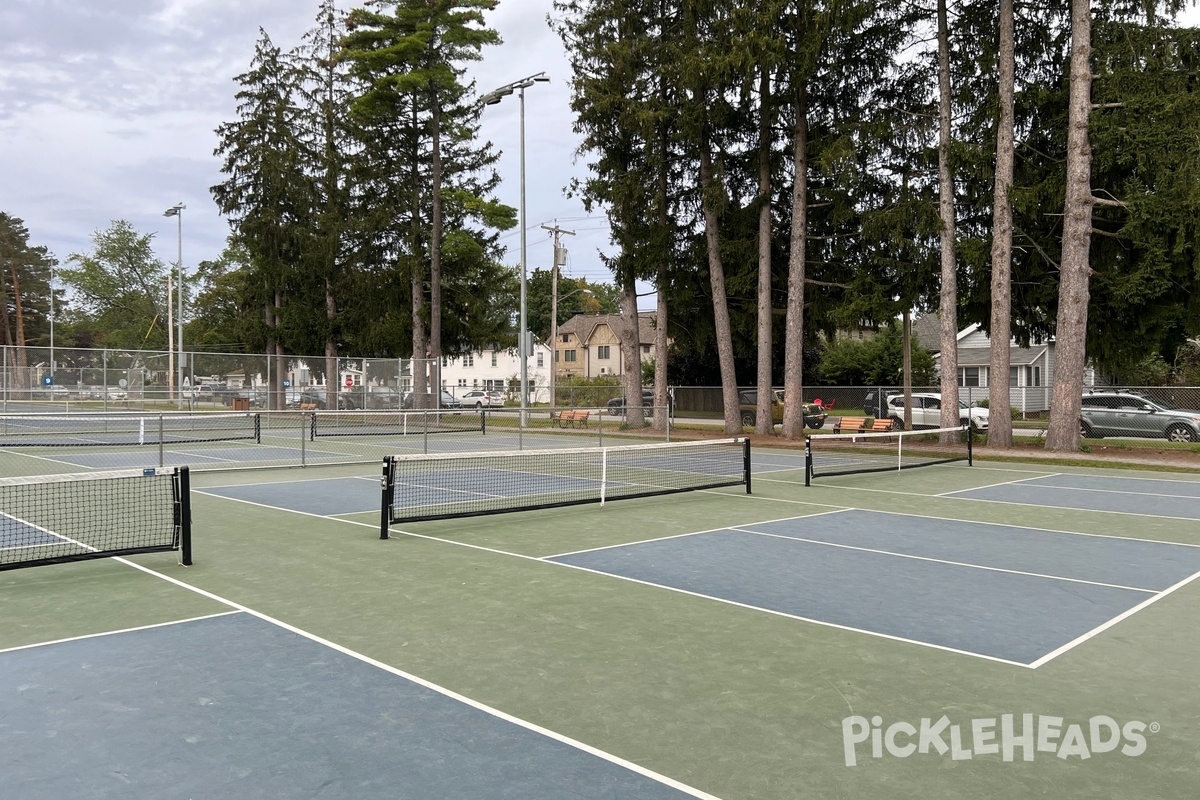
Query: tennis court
point(953, 630)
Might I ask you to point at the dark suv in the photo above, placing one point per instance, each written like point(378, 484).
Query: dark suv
point(616, 406)
point(316, 396)
point(1128, 414)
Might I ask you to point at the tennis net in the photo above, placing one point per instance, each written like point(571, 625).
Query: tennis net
point(424, 487)
point(850, 453)
point(395, 423)
point(121, 429)
point(50, 519)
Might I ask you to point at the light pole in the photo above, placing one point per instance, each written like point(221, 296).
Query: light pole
point(491, 99)
point(177, 212)
point(52, 383)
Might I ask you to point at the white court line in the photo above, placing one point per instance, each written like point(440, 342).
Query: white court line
point(686, 534)
point(495, 712)
point(1053, 654)
point(1013, 482)
point(120, 630)
point(931, 559)
point(1022, 527)
point(952, 496)
point(1109, 491)
point(811, 620)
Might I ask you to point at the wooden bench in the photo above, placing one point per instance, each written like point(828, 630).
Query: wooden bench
point(881, 425)
point(308, 406)
point(570, 417)
point(850, 425)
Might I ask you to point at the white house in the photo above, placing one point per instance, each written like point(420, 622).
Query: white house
point(1030, 372)
point(499, 370)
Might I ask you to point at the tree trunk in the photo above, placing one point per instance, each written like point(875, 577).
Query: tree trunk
point(1071, 330)
point(631, 355)
point(764, 422)
point(716, 275)
point(948, 305)
point(999, 401)
point(420, 351)
point(793, 357)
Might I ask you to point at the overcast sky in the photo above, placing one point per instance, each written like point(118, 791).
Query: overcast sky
point(108, 110)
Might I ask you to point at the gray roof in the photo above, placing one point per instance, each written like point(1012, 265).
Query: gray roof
point(585, 325)
point(1017, 356)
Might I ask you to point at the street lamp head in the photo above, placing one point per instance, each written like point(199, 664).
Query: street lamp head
point(174, 210)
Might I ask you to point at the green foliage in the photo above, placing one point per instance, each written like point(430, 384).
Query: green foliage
point(577, 391)
point(874, 361)
point(122, 286)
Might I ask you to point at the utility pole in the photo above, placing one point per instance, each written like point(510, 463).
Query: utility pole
point(559, 260)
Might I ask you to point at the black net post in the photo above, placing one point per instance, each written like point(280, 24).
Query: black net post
point(808, 461)
point(746, 463)
point(386, 483)
point(970, 437)
point(183, 500)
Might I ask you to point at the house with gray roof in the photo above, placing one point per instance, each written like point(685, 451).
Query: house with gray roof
point(587, 345)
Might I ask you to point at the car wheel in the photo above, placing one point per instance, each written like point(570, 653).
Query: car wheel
point(1181, 433)
point(1086, 432)
point(814, 424)
point(748, 419)
point(897, 424)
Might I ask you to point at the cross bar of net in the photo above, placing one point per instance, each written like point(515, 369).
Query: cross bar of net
point(443, 486)
point(51, 519)
point(82, 430)
point(853, 453)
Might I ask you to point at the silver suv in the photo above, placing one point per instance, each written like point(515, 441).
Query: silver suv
point(1127, 414)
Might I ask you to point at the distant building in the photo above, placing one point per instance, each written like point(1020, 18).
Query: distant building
point(588, 346)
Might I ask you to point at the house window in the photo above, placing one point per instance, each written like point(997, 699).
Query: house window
point(493, 358)
point(646, 349)
point(568, 355)
point(1033, 376)
point(602, 352)
point(566, 337)
point(968, 376)
point(555, 356)
point(1012, 376)
point(469, 360)
point(539, 359)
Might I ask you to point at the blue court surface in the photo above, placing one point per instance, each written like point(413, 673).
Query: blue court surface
point(235, 707)
point(1122, 495)
point(327, 497)
point(1007, 593)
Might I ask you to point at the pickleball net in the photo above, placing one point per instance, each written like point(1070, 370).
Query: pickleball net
point(126, 429)
point(443, 486)
point(395, 423)
point(852, 453)
point(51, 519)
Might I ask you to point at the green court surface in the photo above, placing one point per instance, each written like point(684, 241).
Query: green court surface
point(724, 690)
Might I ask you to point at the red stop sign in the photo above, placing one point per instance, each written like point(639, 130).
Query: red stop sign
point(349, 382)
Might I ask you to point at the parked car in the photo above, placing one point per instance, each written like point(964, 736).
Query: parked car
point(927, 412)
point(875, 403)
point(483, 399)
point(616, 406)
point(1128, 414)
point(317, 396)
point(383, 397)
point(814, 414)
point(445, 400)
